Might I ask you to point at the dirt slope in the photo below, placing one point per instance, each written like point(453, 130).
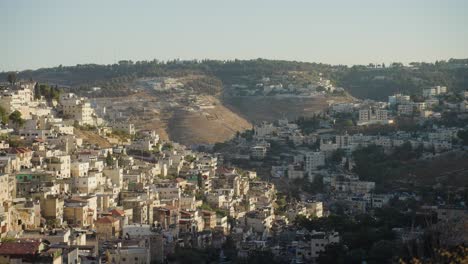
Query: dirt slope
point(268, 108)
point(205, 127)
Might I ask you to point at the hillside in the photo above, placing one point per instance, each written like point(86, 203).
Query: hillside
point(209, 101)
point(207, 127)
point(371, 81)
point(261, 108)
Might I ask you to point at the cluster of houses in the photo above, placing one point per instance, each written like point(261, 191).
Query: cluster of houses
point(306, 161)
point(65, 200)
point(309, 156)
point(269, 86)
point(431, 103)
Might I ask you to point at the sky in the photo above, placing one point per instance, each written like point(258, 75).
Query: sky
point(48, 33)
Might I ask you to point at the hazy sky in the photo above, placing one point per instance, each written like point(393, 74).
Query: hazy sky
point(42, 33)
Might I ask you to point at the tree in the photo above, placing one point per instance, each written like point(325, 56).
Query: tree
point(15, 117)
point(11, 77)
point(337, 156)
point(37, 91)
point(463, 135)
point(348, 123)
point(334, 253)
point(200, 180)
point(109, 159)
point(382, 252)
point(321, 89)
point(3, 115)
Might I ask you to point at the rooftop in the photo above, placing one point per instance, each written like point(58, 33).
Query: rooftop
point(20, 248)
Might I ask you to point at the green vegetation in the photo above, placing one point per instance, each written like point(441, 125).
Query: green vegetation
point(373, 164)
point(189, 158)
point(193, 255)
point(167, 146)
point(316, 186)
point(16, 142)
point(371, 239)
point(378, 83)
point(8, 239)
point(360, 81)
point(122, 135)
point(463, 135)
point(85, 127)
point(15, 118)
point(206, 207)
point(218, 211)
point(47, 91)
point(143, 153)
point(3, 115)
point(247, 134)
point(309, 124)
point(218, 146)
point(109, 159)
point(361, 238)
point(281, 204)
point(206, 85)
point(344, 120)
point(336, 157)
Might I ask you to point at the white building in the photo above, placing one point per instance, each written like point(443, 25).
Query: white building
point(398, 99)
point(85, 184)
point(79, 169)
point(320, 240)
point(378, 116)
point(60, 165)
point(433, 91)
point(405, 109)
point(125, 127)
point(420, 106)
point(263, 130)
point(313, 160)
point(78, 109)
point(429, 92)
point(295, 172)
point(17, 98)
point(258, 152)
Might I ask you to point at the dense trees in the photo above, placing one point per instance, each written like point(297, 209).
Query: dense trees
point(309, 124)
point(16, 119)
point(206, 85)
point(363, 237)
point(373, 164)
point(49, 92)
point(361, 81)
point(463, 135)
point(379, 83)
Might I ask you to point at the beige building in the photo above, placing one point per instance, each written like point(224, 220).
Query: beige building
point(52, 207)
point(60, 165)
point(78, 109)
point(78, 213)
point(209, 219)
point(107, 228)
point(5, 194)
